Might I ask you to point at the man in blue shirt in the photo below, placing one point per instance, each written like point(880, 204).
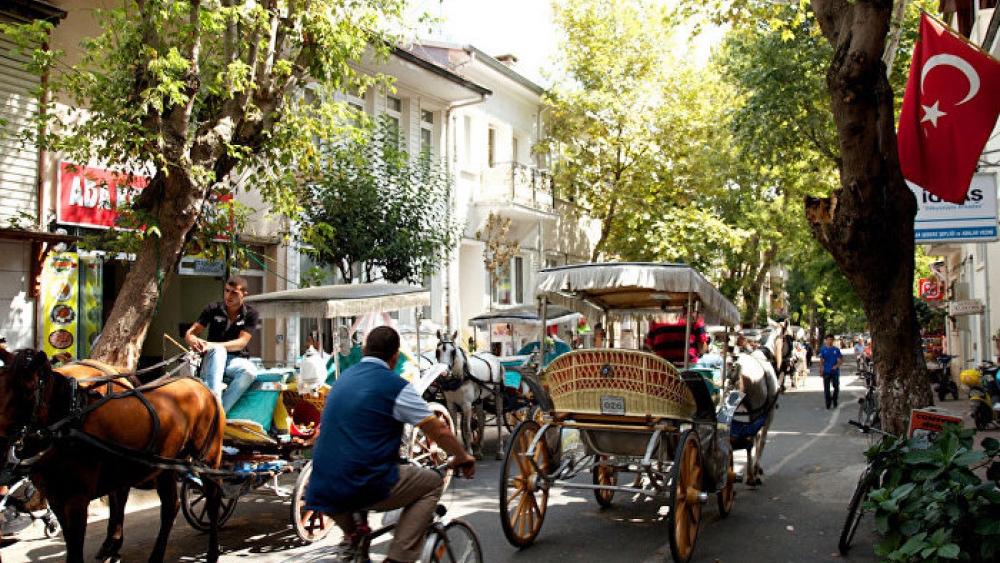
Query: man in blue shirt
point(831, 358)
point(356, 455)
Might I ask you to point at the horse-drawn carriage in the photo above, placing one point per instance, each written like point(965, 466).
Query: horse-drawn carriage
point(626, 410)
point(258, 457)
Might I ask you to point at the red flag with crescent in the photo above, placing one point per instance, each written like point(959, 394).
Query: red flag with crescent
point(949, 109)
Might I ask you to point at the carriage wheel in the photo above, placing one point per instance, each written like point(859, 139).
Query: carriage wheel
point(604, 475)
point(524, 494)
point(427, 453)
point(514, 417)
point(728, 493)
point(310, 526)
point(685, 504)
point(195, 508)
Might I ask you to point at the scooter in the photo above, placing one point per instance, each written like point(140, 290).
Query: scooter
point(942, 381)
point(984, 395)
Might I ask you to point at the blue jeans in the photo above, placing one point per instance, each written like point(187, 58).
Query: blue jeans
point(218, 366)
point(831, 380)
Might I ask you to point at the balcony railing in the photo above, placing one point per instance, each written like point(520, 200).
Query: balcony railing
point(511, 182)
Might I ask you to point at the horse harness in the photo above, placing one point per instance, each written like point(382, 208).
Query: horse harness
point(82, 394)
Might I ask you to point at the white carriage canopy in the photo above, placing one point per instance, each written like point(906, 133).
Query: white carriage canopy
point(620, 289)
point(333, 301)
point(525, 315)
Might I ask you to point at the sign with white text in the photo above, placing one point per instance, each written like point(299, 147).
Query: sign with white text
point(939, 221)
point(970, 307)
point(91, 197)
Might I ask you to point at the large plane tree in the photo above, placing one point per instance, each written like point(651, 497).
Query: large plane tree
point(203, 97)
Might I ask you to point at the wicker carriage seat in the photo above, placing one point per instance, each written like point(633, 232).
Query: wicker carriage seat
point(607, 381)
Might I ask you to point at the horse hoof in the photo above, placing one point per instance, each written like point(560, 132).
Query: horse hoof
point(499, 456)
point(479, 456)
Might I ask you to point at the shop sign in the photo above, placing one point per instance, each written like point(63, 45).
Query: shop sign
point(91, 197)
point(970, 307)
point(930, 289)
point(927, 423)
point(939, 221)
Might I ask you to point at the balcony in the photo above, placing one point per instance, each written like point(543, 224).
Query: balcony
point(510, 183)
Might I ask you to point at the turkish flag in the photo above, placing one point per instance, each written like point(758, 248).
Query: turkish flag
point(949, 109)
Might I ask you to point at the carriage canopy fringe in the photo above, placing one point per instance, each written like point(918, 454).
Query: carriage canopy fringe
point(620, 289)
point(333, 301)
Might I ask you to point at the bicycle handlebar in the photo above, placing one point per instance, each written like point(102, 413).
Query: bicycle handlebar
point(868, 428)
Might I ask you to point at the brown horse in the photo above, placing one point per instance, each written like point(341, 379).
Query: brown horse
point(82, 431)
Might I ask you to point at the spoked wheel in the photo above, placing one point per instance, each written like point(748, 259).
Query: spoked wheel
point(727, 495)
point(854, 513)
point(876, 423)
point(310, 526)
point(514, 417)
point(460, 546)
point(194, 506)
point(604, 475)
point(524, 494)
point(685, 505)
point(424, 451)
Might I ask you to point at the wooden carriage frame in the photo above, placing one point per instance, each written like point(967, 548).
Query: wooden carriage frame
point(630, 410)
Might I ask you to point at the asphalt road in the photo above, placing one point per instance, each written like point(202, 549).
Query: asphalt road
point(811, 463)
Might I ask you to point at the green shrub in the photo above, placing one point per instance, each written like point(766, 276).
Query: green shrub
point(930, 506)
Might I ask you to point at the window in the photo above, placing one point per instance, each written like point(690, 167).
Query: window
point(394, 110)
point(426, 132)
point(509, 289)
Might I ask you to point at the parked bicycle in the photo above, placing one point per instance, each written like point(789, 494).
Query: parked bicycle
point(868, 481)
point(448, 540)
point(26, 503)
point(868, 412)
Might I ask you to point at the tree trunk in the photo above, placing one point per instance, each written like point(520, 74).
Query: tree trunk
point(867, 224)
point(178, 210)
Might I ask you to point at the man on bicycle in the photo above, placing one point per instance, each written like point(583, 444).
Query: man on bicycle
point(356, 463)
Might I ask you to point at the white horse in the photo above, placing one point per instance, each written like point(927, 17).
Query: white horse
point(757, 373)
point(470, 380)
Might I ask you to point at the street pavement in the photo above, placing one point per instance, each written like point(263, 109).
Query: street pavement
point(811, 464)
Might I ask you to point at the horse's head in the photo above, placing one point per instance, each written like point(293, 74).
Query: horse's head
point(449, 354)
point(780, 343)
point(26, 381)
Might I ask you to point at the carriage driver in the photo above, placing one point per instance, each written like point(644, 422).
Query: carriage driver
point(356, 463)
point(230, 323)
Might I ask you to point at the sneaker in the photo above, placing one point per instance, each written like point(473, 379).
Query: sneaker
point(15, 522)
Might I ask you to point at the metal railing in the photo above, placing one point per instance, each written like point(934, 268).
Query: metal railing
point(518, 183)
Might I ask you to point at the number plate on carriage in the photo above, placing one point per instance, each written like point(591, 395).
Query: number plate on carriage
point(611, 404)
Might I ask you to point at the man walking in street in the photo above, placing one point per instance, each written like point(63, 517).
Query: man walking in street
point(830, 359)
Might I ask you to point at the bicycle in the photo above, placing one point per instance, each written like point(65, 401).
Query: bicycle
point(868, 412)
point(866, 483)
point(448, 540)
point(22, 497)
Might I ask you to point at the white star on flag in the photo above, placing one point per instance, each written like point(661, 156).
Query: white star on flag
point(932, 113)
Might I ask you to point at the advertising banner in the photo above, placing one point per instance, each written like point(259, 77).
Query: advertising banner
point(60, 282)
point(930, 289)
point(90, 197)
point(939, 221)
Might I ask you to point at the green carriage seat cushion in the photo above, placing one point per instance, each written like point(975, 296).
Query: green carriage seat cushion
point(257, 404)
point(551, 352)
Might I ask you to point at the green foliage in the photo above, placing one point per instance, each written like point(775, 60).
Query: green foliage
point(930, 505)
point(378, 212)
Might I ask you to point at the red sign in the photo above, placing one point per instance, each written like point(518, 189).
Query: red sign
point(90, 197)
point(930, 289)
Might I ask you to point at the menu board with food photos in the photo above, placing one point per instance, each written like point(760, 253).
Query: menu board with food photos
point(60, 279)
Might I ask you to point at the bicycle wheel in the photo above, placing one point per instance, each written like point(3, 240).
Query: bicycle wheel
point(457, 544)
point(309, 526)
point(854, 513)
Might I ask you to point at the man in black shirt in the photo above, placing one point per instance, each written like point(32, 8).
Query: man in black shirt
point(230, 323)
